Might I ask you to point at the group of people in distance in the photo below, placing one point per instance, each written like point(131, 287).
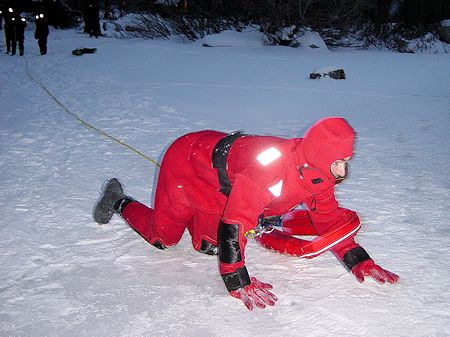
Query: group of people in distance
point(14, 28)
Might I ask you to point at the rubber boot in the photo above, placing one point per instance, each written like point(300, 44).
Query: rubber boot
point(112, 193)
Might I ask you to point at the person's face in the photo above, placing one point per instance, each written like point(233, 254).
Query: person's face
point(339, 168)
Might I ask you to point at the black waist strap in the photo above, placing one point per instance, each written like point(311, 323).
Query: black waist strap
point(219, 160)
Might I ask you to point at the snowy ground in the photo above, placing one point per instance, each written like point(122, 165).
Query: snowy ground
point(63, 275)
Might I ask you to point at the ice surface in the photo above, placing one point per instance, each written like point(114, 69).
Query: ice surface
point(63, 275)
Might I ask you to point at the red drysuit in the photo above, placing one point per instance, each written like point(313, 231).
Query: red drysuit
point(269, 176)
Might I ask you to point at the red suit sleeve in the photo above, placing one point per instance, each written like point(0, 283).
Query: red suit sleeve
point(244, 206)
point(245, 203)
point(326, 214)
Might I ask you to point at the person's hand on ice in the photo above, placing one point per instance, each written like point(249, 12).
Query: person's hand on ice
point(256, 293)
point(369, 268)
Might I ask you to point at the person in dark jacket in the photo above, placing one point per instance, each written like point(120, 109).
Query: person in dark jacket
point(10, 31)
point(92, 20)
point(41, 32)
point(222, 187)
point(20, 26)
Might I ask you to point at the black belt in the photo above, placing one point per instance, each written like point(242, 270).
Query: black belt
point(219, 160)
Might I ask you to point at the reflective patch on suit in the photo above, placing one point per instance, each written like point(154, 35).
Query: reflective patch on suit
point(268, 156)
point(276, 189)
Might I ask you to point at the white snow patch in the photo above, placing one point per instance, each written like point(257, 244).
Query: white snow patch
point(249, 37)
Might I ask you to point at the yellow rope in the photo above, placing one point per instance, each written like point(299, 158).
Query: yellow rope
point(86, 124)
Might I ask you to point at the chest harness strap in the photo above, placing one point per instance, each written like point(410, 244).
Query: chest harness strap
point(219, 160)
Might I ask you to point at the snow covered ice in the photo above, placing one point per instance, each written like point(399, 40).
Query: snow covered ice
point(61, 274)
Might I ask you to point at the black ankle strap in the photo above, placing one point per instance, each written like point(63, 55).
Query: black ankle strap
point(120, 204)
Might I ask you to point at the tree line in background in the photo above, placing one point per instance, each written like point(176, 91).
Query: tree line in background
point(372, 21)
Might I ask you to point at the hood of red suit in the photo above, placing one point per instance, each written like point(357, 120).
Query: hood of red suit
point(328, 140)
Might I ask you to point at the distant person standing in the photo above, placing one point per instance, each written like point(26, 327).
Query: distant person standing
point(10, 31)
point(41, 33)
point(92, 21)
point(21, 24)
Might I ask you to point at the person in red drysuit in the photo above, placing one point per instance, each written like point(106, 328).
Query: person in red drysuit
point(221, 186)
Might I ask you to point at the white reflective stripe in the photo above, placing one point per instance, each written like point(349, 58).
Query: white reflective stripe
point(332, 244)
point(276, 189)
point(268, 156)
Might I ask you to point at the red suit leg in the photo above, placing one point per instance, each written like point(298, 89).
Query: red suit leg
point(141, 219)
point(203, 227)
point(186, 195)
point(168, 220)
point(153, 226)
